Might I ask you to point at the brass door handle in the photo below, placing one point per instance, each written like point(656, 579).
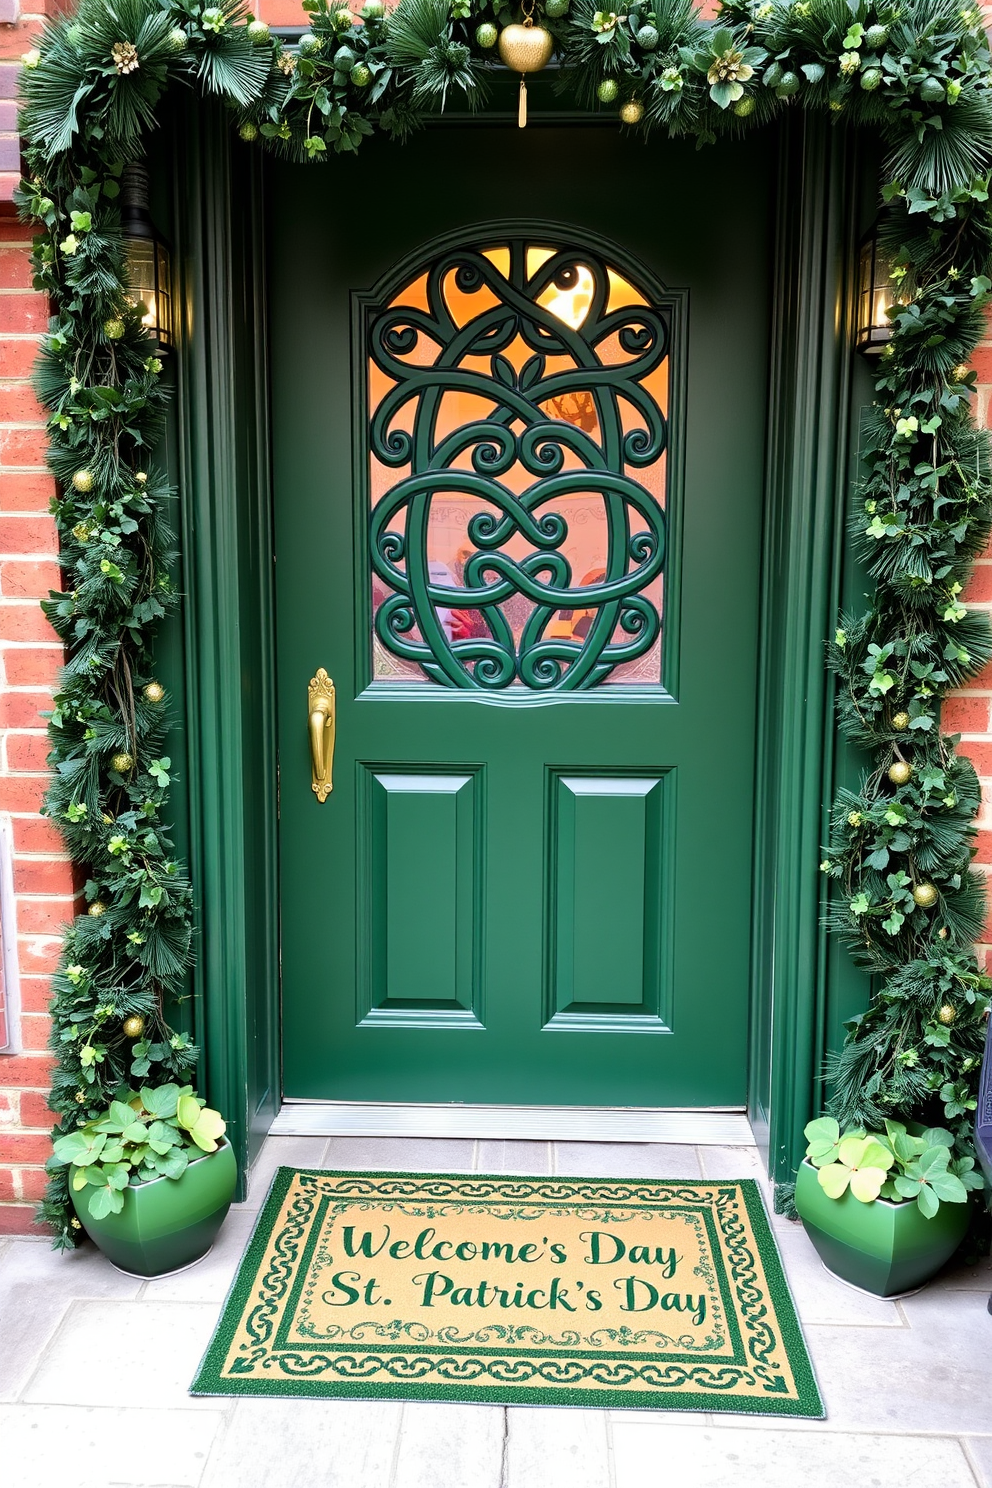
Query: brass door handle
point(321, 721)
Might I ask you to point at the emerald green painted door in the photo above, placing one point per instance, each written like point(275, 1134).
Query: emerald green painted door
point(519, 386)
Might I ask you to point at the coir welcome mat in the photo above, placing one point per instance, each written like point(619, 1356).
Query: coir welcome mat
point(515, 1291)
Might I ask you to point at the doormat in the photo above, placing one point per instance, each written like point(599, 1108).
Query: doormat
point(513, 1291)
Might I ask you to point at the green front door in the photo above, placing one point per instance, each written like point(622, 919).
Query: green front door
point(519, 385)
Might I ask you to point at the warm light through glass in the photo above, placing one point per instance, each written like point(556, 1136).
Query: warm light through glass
point(570, 302)
point(148, 272)
point(875, 298)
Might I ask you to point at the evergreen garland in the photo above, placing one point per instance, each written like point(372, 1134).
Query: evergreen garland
point(919, 71)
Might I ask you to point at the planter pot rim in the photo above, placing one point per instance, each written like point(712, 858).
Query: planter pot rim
point(886, 1203)
point(164, 1177)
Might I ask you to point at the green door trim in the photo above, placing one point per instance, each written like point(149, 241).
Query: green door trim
point(222, 413)
point(227, 551)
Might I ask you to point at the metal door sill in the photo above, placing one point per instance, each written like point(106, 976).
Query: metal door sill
point(713, 1126)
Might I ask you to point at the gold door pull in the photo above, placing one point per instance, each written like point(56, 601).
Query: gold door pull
point(320, 715)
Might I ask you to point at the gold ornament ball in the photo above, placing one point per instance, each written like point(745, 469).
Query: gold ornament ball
point(97, 908)
point(154, 692)
point(113, 328)
point(134, 1026)
point(961, 372)
point(947, 1014)
point(900, 772)
point(122, 762)
point(83, 481)
point(81, 532)
point(525, 48)
point(900, 721)
point(632, 112)
point(925, 895)
point(80, 1096)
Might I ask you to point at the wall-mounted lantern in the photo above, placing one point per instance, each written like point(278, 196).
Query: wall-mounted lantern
point(875, 296)
point(147, 258)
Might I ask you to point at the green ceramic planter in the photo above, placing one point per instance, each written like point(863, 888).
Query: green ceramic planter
point(882, 1247)
point(169, 1223)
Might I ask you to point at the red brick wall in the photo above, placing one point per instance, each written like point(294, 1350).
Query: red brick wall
point(29, 654)
point(969, 712)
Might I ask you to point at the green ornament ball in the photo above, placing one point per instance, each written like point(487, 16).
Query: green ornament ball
point(308, 44)
point(343, 20)
point(607, 91)
point(373, 10)
point(555, 9)
point(875, 37)
point(932, 90)
point(871, 79)
point(83, 481)
point(248, 131)
point(258, 31)
point(360, 75)
point(788, 85)
point(744, 107)
point(486, 35)
point(647, 38)
point(114, 328)
point(178, 40)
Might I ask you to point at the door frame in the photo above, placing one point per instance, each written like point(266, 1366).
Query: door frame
point(800, 990)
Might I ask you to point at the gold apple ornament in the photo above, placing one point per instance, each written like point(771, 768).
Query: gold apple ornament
point(525, 48)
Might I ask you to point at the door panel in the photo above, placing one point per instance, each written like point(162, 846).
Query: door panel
point(535, 588)
point(609, 921)
point(420, 836)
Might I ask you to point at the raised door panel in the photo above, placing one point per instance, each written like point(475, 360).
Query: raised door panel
point(419, 914)
point(609, 904)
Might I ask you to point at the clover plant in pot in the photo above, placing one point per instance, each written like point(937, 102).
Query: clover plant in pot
point(151, 1179)
point(884, 1210)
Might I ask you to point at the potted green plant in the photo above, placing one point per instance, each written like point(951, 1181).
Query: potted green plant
point(884, 1210)
point(152, 1178)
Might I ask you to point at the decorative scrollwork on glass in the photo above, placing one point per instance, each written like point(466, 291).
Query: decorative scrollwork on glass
point(518, 438)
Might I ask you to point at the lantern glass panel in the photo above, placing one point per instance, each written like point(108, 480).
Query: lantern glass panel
point(148, 271)
point(875, 298)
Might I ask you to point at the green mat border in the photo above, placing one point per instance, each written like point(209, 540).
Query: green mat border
point(209, 1381)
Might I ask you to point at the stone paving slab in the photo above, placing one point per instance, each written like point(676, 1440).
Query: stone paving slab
point(659, 1455)
point(330, 1443)
point(87, 1447)
point(125, 1353)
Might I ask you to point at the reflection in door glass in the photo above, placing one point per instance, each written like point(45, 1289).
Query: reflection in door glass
point(518, 401)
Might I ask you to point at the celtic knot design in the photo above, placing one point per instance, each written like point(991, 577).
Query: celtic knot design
point(522, 396)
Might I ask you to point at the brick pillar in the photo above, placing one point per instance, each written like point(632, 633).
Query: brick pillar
point(29, 658)
point(968, 712)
